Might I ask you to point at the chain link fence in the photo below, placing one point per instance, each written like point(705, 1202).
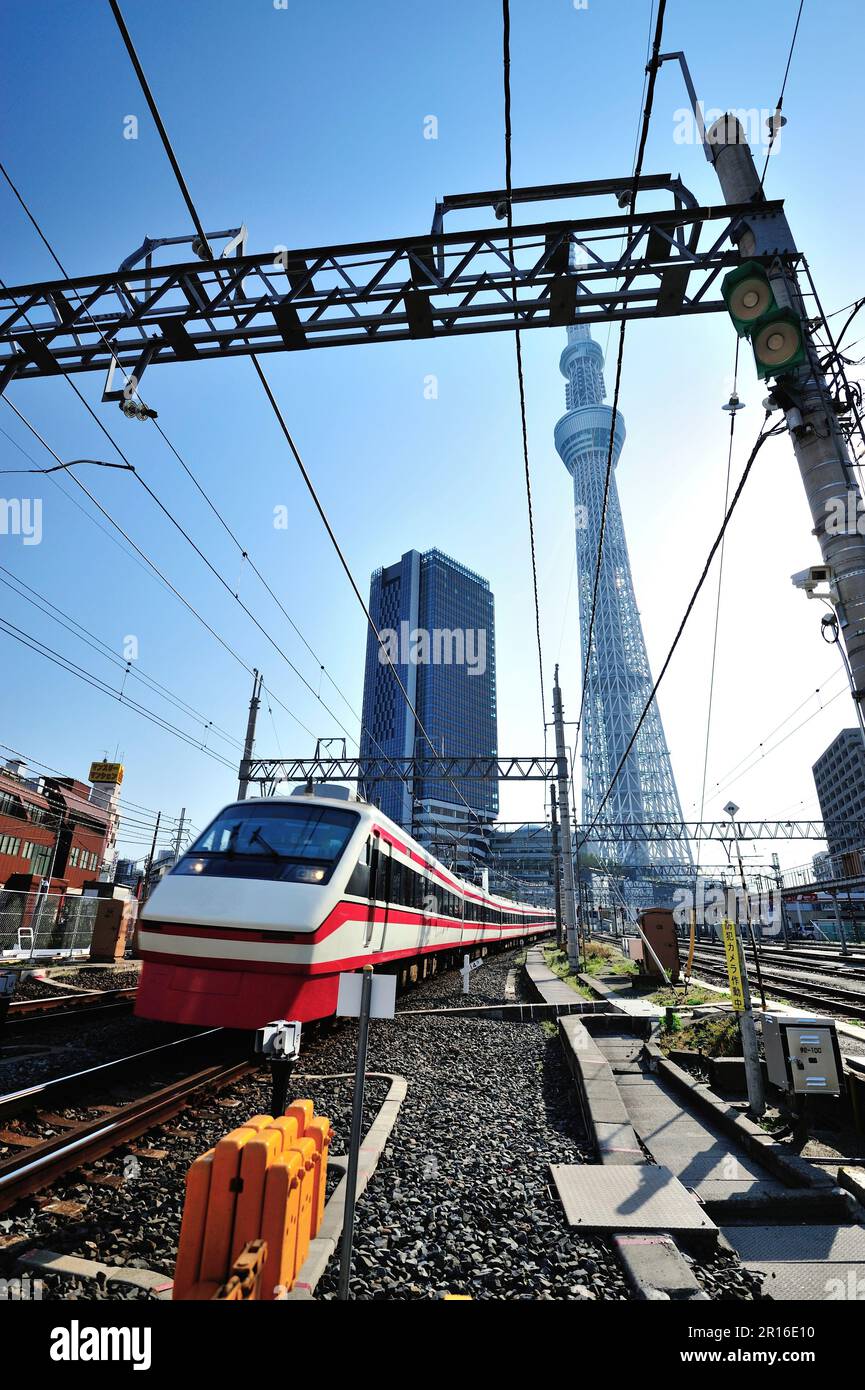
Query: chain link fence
point(34, 925)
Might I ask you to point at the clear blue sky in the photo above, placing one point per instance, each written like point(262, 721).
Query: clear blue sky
point(307, 125)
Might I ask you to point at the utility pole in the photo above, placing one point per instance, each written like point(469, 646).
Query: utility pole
point(568, 904)
point(149, 865)
point(557, 862)
point(782, 907)
point(731, 808)
point(249, 741)
point(179, 836)
point(804, 396)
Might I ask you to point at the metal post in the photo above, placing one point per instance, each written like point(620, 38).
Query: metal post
point(149, 864)
point(179, 836)
point(557, 862)
point(738, 973)
point(355, 1135)
point(280, 1075)
point(779, 884)
point(750, 1050)
point(839, 924)
point(747, 902)
point(568, 904)
point(249, 741)
point(820, 449)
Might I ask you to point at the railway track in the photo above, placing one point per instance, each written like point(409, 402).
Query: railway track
point(45, 1144)
point(790, 986)
point(61, 1007)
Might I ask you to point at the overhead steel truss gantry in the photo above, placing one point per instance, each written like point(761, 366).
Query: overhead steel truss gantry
point(440, 284)
point(268, 773)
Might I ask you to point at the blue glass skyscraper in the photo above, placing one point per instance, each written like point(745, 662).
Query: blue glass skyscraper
point(437, 619)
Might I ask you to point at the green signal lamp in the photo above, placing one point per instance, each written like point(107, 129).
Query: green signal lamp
point(778, 343)
point(747, 295)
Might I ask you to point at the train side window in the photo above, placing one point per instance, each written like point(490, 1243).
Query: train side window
point(396, 873)
point(358, 883)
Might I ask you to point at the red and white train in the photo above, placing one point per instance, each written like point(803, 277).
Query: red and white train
point(280, 894)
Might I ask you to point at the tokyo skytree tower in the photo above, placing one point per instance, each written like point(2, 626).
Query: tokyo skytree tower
point(619, 680)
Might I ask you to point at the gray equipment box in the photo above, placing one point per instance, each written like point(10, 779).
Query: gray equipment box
point(802, 1054)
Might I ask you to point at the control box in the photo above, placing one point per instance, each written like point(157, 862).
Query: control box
point(802, 1054)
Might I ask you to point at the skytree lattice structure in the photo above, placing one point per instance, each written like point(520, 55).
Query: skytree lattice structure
point(619, 680)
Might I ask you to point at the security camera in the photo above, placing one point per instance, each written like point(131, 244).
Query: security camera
point(808, 579)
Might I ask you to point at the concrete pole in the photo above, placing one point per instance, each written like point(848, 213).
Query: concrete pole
point(750, 1050)
point(249, 741)
point(557, 862)
point(568, 903)
point(818, 444)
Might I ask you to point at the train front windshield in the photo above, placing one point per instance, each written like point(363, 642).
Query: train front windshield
point(272, 840)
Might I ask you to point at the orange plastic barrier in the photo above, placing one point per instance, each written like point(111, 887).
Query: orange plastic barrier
point(246, 1274)
point(320, 1132)
point(287, 1127)
point(309, 1160)
point(192, 1226)
point(302, 1111)
point(280, 1222)
point(217, 1248)
point(258, 1154)
point(252, 1205)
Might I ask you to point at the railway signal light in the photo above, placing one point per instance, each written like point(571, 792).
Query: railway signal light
point(775, 332)
point(748, 296)
point(778, 343)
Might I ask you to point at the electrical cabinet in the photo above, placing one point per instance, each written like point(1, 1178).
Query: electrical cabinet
point(802, 1054)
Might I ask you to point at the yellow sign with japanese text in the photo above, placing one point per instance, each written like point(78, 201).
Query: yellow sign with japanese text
point(106, 772)
point(730, 938)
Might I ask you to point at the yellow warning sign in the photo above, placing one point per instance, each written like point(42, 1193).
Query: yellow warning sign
point(734, 965)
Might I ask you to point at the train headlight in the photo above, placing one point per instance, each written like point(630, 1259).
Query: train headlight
point(309, 875)
point(198, 866)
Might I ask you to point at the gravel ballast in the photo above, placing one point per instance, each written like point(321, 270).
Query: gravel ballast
point(461, 1201)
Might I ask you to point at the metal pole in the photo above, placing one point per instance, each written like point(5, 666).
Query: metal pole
point(280, 1075)
point(149, 865)
point(557, 862)
point(812, 423)
point(249, 741)
point(748, 1031)
point(568, 905)
point(840, 925)
point(748, 915)
point(354, 1138)
point(179, 836)
point(779, 884)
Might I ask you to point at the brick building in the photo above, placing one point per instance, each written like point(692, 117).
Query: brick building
point(49, 826)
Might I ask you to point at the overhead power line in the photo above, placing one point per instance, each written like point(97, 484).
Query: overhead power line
point(761, 440)
point(163, 133)
point(776, 121)
point(245, 556)
point(632, 201)
point(506, 67)
point(97, 683)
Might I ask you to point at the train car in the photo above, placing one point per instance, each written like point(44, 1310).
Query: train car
point(280, 894)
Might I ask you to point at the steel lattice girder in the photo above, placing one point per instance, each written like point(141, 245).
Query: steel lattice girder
point(437, 285)
point(272, 770)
